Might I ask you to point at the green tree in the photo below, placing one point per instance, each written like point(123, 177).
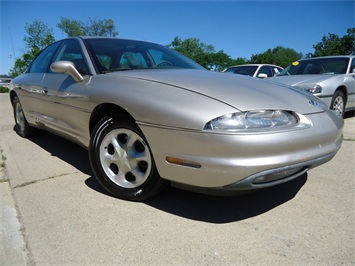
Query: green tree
point(194, 49)
point(278, 56)
point(219, 61)
point(71, 27)
point(239, 61)
point(92, 27)
point(202, 53)
point(38, 37)
point(335, 45)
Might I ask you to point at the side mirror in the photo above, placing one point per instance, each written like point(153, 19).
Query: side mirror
point(353, 70)
point(262, 76)
point(68, 68)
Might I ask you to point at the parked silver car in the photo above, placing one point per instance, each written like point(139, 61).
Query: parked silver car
point(255, 70)
point(148, 115)
point(331, 78)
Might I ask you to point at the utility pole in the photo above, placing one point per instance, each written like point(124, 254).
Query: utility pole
point(12, 44)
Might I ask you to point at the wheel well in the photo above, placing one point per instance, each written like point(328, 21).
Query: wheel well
point(107, 109)
point(12, 96)
point(344, 91)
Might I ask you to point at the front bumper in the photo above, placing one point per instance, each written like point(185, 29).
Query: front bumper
point(277, 176)
point(245, 161)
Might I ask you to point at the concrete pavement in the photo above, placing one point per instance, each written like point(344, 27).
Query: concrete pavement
point(54, 212)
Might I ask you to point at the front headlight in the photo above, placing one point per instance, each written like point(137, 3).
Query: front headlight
point(252, 120)
point(312, 88)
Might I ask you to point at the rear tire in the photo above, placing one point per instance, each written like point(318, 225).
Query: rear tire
point(21, 126)
point(122, 161)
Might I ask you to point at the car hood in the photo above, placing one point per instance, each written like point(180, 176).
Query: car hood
point(241, 92)
point(295, 80)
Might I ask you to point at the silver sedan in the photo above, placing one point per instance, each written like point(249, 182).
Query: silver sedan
point(150, 116)
point(331, 78)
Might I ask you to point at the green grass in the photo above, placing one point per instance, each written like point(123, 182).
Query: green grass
point(4, 89)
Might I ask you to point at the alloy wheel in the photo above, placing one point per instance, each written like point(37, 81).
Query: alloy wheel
point(20, 118)
point(125, 158)
point(338, 105)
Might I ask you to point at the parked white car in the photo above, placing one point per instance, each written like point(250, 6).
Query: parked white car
point(255, 70)
point(5, 81)
point(331, 78)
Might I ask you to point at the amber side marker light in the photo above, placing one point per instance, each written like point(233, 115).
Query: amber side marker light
point(182, 162)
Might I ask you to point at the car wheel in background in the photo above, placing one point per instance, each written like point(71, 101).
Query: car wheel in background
point(122, 161)
point(338, 103)
point(22, 127)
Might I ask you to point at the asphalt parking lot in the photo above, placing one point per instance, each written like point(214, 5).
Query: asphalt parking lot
point(54, 212)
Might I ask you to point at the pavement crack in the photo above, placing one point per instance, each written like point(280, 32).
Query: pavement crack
point(41, 180)
point(3, 174)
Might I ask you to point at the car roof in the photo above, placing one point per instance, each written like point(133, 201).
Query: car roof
point(255, 65)
point(330, 56)
point(105, 37)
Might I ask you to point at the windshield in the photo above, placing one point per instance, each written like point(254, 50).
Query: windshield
point(242, 70)
point(330, 65)
point(118, 55)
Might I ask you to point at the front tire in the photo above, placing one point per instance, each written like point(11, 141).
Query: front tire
point(122, 161)
point(338, 103)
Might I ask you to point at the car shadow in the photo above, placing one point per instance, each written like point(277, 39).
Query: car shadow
point(179, 202)
point(349, 114)
point(218, 209)
point(69, 152)
point(65, 150)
